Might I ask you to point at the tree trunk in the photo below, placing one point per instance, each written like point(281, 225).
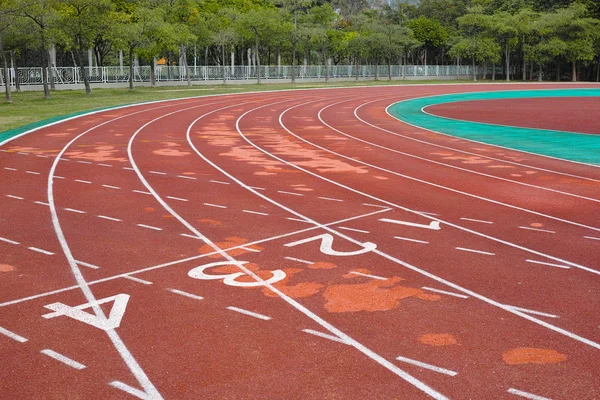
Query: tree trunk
point(84, 75)
point(524, 62)
point(224, 67)
point(294, 61)
point(376, 69)
point(389, 69)
point(474, 71)
point(325, 63)
point(6, 77)
point(15, 68)
point(131, 76)
point(507, 56)
point(540, 73)
point(484, 75)
point(574, 71)
point(493, 71)
point(51, 70)
point(45, 73)
point(257, 58)
point(356, 63)
point(152, 73)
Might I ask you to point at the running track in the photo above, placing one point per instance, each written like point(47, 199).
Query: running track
point(295, 245)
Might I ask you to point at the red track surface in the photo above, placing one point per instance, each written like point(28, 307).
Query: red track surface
point(572, 114)
point(501, 300)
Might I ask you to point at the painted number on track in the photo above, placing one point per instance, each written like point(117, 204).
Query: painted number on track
point(230, 279)
point(97, 320)
point(327, 241)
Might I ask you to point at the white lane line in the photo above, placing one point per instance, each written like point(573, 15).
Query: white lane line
point(433, 225)
point(82, 181)
point(8, 241)
point(461, 296)
point(290, 193)
point(254, 212)
point(475, 251)
point(84, 162)
point(88, 265)
point(111, 187)
point(32, 172)
point(140, 191)
point(249, 313)
point(381, 278)
point(189, 236)
point(41, 203)
point(330, 199)
point(74, 210)
point(48, 253)
point(176, 198)
point(535, 229)
point(410, 240)
point(186, 177)
point(129, 168)
point(250, 249)
point(149, 227)
point(186, 294)
point(10, 169)
point(352, 229)
point(219, 182)
point(140, 394)
point(109, 218)
point(299, 260)
point(477, 220)
point(374, 205)
point(256, 188)
point(548, 264)
point(526, 395)
point(533, 312)
point(299, 220)
point(325, 336)
point(63, 359)
point(157, 173)
point(14, 197)
point(427, 366)
point(214, 205)
point(138, 280)
point(12, 335)
point(591, 237)
point(105, 165)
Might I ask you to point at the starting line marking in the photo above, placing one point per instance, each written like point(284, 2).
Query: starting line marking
point(369, 276)
point(63, 359)
point(12, 335)
point(475, 251)
point(138, 280)
point(299, 260)
point(462, 296)
point(549, 264)
point(325, 336)
point(527, 395)
point(186, 294)
point(427, 366)
point(49, 253)
point(249, 313)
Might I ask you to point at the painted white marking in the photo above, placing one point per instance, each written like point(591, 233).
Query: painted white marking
point(327, 241)
point(58, 177)
point(256, 188)
point(290, 193)
point(157, 173)
point(149, 227)
point(14, 197)
point(381, 278)
point(113, 320)
point(250, 313)
point(41, 156)
point(230, 279)
point(12, 335)
point(176, 198)
point(374, 205)
point(254, 212)
point(129, 169)
point(109, 218)
point(105, 165)
point(141, 192)
point(32, 172)
point(249, 249)
point(219, 182)
point(23, 154)
point(138, 280)
point(64, 159)
point(41, 203)
point(186, 177)
point(427, 366)
point(82, 181)
point(8, 241)
point(48, 253)
point(84, 162)
point(591, 237)
point(461, 296)
point(74, 210)
point(410, 240)
point(111, 187)
point(352, 229)
point(299, 220)
point(330, 199)
point(325, 336)
point(475, 251)
point(10, 169)
point(526, 395)
point(433, 225)
point(477, 220)
point(88, 265)
point(427, 213)
point(548, 264)
point(535, 229)
point(299, 260)
point(214, 205)
point(186, 294)
point(63, 359)
point(190, 236)
point(140, 394)
point(533, 312)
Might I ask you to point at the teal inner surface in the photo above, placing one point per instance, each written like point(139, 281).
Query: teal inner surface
point(571, 146)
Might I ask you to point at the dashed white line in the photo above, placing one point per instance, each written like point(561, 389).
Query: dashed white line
point(535, 229)
point(48, 253)
point(82, 181)
point(428, 213)
point(219, 182)
point(477, 220)
point(12, 335)
point(352, 229)
point(475, 251)
point(109, 218)
point(157, 172)
point(591, 237)
point(8, 241)
point(23, 154)
point(214, 205)
point(41, 203)
point(64, 159)
point(325, 336)
point(249, 313)
point(290, 193)
point(299, 220)
point(254, 212)
point(186, 294)
point(63, 359)
point(299, 260)
point(149, 227)
point(129, 168)
point(41, 156)
point(330, 199)
point(374, 205)
point(525, 310)
point(111, 187)
point(427, 366)
point(256, 188)
point(88, 265)
point(141, 192)
point(186, 177)
point(381, 278)
point(410, 240)
point(526, 395)
point(249, 249)
point(10, 169)
point(138, 280)
point(14, 197)
point(58, 177)
point(105, 165)
point(176, 198)
point(548, 264)
point(461, 296)
point(190, 236)
point(74, 210)
point(84, 162)
point(32, 172)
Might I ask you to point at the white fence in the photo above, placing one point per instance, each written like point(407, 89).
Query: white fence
point(72, 75)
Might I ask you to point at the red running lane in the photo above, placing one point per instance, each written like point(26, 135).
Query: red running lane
point(264, 342)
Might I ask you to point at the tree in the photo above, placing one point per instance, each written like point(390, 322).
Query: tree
point(505, 29)
point(429, 32)
point(258, 24)
point(9, 11)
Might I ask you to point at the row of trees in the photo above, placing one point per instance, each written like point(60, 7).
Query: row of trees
point(538, 36)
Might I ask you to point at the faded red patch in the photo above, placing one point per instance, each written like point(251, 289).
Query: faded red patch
point(6, 268)
point(322, 265)
point(531, 355)
point(188, 173)
point(210, 221)
point(438, 339)
point(299, 290)
point(65, 134)
point(100, 153)
point(382, 178)
point(429, 297)
point(149, 209)
point(170, 150)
